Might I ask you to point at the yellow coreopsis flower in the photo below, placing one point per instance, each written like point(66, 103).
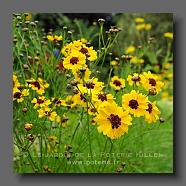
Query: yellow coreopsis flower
point(135, 79)
point(135, 103)
point(41, 101)
point(136, 60)
point(38, 85)
point(130, 49)
point(148, 26)
point(168, 35)
point(152, 81)
point(152, 113)
point(19, 95)
point(117, 83)
point(70, 101)
point(140, 26)
point(47, 112)
point(112, 120)
point(54, 38)
point(139, 20)
point(75, 60)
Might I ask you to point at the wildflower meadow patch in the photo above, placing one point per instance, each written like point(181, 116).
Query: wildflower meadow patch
point(92, 95)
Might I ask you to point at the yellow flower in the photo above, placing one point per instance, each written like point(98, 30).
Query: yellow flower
point(135, 103)
point(117, 83)
point(140, 26)
point(139, 20)
point(168, 35)
point(144, 26)
point(81, 99)
point(41, 101)
point(152, 113)
point(38, 85)
point(148, 26)
point(112, 120)
point(54, 38)
point(114, 63)
point(73, 46)
point(152, 81)
point(47, 112)
point(70, 101)
point(91, 85)
point(58, 102)
point(74, 61)
point(19, 95)
point(28, 17)
point(130, 49)
point(82, 74)
point(135, 79)
point(100, 97)
point(83, 40)
point(16, 83)
point(136, 60)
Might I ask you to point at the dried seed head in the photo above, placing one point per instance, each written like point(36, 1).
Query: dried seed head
point(101, 21)
point(24, 110)
point(27, 22)
point(29, 58)
point(18, 17)
point(69, 32)
point(116, 58)
point(25, 29)
point(162, 120)
point(126, 57)
point(25, 66)
point(36, 58)
point(74, 82)
point(15, 41)
point(68, 76)
point(30, 137)
point(21, 55)
point(75, 91)
point(28, 126)
point(152, 91)
point(82, 70)
point(32, 24)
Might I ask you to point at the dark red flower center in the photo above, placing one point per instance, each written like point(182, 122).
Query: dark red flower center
point(83, 98)
point(136, 78)
point(152, 81)
point(115, 121)
point(102, 97)
point(36, 84)
point(133, 104)
point(56, 101)
point(90, 85)
point(17, 95)
point(74, 60)
point(83, 50)
point(40, 101)
point(117, 83)
point(149, 108)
